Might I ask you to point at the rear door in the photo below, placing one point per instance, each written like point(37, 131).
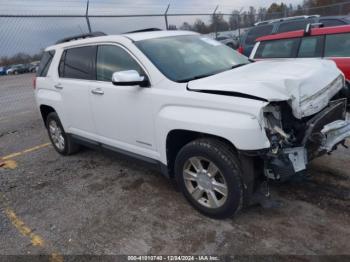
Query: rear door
point(311, 47)
point(76, 75)
point(337, 48)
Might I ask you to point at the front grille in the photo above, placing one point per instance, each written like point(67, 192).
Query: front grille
point(335, 111)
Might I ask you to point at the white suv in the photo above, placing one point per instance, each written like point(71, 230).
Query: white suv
point(217, 123)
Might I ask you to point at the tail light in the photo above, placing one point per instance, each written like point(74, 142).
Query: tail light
point(34, 82)
point(240, 49)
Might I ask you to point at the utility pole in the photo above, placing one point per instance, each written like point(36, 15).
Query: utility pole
point(87, 16)
point(166, 17)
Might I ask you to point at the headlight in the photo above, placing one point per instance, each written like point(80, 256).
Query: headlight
point(333, 88)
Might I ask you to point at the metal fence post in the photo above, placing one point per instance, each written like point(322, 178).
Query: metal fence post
point(87, 16)
point(166, 17)
point(215, 22)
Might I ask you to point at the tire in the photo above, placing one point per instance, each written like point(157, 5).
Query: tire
point(62, 142)
point(203, 193)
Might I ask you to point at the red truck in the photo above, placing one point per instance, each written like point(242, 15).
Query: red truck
point(321, 42)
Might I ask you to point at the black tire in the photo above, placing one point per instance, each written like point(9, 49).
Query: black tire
point(222, 155)
point(69, 146)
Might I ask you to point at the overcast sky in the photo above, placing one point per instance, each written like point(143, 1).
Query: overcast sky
point(130, 6)
point(32, 34)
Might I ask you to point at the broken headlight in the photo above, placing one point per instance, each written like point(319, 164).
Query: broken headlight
point(333, 88)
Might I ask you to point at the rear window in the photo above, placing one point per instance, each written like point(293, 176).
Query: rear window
point(45, 63)
point(284, 48)
point(332, 22)
point(257, 32)
point(337, 45)
point(292, 26)
point(311, 47)
point(78, 63)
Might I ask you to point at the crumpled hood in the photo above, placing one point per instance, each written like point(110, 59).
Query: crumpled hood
point(307, 84)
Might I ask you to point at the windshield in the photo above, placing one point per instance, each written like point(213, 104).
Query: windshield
point(185, 58)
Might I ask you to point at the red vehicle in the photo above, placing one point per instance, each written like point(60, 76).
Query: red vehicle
point(327, 43)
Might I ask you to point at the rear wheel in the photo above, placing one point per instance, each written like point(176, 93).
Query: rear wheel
point(59, 139)
point(209, 176)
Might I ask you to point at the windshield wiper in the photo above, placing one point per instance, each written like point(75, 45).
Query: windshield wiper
point(238, 65)
point(195, 78)
point(211, 74)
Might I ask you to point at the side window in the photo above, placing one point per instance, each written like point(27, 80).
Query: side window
point(257, 32)
point(285, 48)
point(332, 22)
point(311, 47)
point(45, 63)
point(78, 63)
point(292, 26)
point(337, 45)
point(111, 59)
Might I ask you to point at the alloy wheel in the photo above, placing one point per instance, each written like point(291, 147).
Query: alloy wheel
point(56, 135)
point(205, 182)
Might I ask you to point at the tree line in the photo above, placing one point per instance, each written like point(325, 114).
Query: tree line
point(19, 58)
point(219, 22)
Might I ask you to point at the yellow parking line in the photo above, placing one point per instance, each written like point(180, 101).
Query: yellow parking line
point(25, 230)
point(13, 155)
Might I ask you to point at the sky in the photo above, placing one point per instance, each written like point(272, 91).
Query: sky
point(30, 35)
point(130, 6)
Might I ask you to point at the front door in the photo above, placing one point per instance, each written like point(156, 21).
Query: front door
point(123, 115)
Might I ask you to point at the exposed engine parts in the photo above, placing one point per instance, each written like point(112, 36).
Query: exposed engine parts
point(295, 142)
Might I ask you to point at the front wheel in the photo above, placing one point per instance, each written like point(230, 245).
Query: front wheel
point(209, 176)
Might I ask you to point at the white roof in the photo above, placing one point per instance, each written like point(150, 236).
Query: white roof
point(133, 36)
point(157, 34)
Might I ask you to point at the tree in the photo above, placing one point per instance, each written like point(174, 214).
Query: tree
point(200, 27)
point(218, 23)
point(20, 58)
point(186, 26)
point(234, 20)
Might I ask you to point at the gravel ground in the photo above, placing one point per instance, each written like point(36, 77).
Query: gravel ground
point(98, 203)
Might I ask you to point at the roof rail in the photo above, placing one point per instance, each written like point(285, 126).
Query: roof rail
point(144, 30)
point(82, 36)
point(286, 19)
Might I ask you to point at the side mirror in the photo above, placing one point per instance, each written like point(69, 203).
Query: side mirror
point(129, 78)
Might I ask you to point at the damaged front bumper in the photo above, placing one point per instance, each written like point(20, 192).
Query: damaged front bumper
point(324, 132)
point(334, 134)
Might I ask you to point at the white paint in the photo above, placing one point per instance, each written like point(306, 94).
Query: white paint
point(124, 116)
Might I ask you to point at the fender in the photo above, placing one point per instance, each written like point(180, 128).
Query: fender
point(52, 99)
point(241, 129)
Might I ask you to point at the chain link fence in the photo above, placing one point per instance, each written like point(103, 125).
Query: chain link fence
point(24, 36)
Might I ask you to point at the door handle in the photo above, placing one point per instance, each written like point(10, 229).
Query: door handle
point(58, 86)
point(97, 91)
